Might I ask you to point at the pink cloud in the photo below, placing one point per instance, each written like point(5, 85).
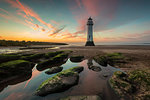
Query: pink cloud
point(7, 15)
point(29, 13)
point(92, 7)
point(102, 12)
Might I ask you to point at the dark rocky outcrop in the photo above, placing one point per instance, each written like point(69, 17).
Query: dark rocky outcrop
point(134, 85)
point(111, 59)
point(14, 68)
point(33, 57)
point(52, 54)
point(54, 61)
point(60, 82)
point(12, 80)
point(76, 58)
point(54, 70)
point(8, 57)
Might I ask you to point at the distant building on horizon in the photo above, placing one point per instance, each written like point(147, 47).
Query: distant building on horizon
point(90, 41)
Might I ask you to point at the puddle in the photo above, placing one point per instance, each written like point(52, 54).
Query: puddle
point(90, 83)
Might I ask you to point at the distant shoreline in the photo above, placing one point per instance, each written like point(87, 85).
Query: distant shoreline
point(6, 43)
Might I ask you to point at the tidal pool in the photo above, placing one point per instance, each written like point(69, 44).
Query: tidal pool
point(90, 83)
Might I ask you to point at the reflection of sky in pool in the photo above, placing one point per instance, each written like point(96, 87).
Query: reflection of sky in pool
point(25, 90)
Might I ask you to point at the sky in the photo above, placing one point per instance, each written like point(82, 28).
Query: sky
point(65, 20)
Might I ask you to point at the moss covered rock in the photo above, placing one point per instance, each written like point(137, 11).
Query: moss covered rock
point(134, 85)
point(12, 68)
point(76, 58)
point(60, 58)
point(52, 54)
point(33, 57)
point(60, 82)
point(111, 59)
point(8, 57)
point(54, 70)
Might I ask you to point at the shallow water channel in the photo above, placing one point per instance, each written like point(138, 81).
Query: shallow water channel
point(90, 83)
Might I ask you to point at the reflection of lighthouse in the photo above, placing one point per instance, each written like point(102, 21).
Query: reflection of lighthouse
point(90, 33)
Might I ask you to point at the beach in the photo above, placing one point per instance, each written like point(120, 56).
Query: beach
point(36, 63)
point(139, 55)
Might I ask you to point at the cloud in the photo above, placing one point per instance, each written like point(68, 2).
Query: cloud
point(28, 13)
point(107, 14)
point(102, 12)
point(9, 16)
point(57, 31)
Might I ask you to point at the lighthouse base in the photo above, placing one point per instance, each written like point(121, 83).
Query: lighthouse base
point(89, 43)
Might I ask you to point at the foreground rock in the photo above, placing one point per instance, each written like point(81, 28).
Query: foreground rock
point(8, 57)
point(32, 57)
point(54, 70)
point(52, 62)
point(93, 97)
point(76, 58)
point(14, 68)
point(134, 86)
point(111, 59)
point(60, 82)
point(12, 80)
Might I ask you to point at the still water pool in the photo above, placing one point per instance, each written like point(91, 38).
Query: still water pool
point(90, 83)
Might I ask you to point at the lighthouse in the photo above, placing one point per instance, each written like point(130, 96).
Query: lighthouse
point(90, 33)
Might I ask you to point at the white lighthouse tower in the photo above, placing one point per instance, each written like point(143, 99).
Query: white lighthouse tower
point(90, 33)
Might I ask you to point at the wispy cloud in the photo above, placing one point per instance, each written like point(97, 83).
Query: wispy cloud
point(28, 13)
point(10, 16)
point(57, 31)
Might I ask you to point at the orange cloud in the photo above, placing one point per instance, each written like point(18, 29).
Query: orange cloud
point(29, 13)
point(7, 15)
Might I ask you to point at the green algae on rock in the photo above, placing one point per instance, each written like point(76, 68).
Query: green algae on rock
point(12, 68)
point(134, 85)
point(54, 60)
point(60, 82)
point(52, 54)
point(111, 59)
point(8, 57)
point(33, 57)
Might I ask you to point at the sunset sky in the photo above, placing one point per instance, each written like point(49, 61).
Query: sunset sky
point(65, 20)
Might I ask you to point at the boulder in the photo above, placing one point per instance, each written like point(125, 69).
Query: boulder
point(8, 57)
point(13, 68)
point(76, 58)
point(102, 60)
point(53, 61)
point(60, 82)
point(111, 59)
point(134, 85)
